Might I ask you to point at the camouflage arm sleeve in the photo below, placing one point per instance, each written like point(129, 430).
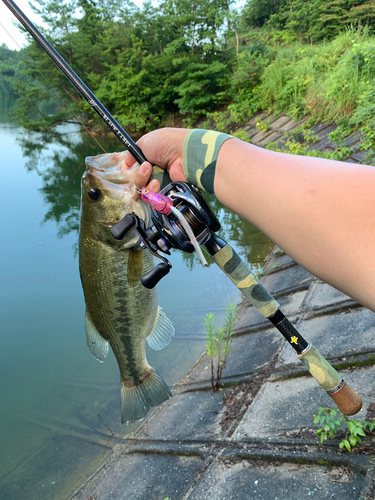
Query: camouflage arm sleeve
point(160, 175)
point(201, 148)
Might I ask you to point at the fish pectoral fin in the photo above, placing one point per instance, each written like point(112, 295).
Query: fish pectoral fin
point(136, 401)
point(162, 332)
point(95, 342)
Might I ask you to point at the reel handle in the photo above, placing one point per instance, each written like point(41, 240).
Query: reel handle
point(119, 230)
point(153, 277)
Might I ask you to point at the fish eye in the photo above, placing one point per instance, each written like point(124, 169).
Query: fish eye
point(94, 194)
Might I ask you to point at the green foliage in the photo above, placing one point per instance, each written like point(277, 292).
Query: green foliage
point(218, 343)
point(263, 126)
point(299, 140)
point(288, 21)
point(332, 420)
point(11, 67)
point(198, 64)
point(145, 65)
point(241, 134)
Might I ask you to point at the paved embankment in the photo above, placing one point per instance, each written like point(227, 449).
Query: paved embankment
point(255, 438)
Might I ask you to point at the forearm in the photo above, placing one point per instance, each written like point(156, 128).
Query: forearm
point(321, 212)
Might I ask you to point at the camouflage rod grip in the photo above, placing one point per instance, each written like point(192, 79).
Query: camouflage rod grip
point(347, 401)
point(236, 270)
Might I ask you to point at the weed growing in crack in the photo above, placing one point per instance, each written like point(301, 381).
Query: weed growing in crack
point(218, 343)
point(331, 421)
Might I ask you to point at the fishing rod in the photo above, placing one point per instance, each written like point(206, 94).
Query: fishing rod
point(195, 226)
point(74, 79)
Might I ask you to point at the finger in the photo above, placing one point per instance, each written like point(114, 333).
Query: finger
point(130, 161)
point(142, 175)
point(154, 186)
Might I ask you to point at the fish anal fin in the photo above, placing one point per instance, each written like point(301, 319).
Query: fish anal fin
point(95, 342)
point(137, 400)
point(135, 266)
point(162, 332)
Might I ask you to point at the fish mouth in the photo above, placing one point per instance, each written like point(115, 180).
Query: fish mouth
point(111, 167)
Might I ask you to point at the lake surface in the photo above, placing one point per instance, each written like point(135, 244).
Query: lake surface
point(55, 398)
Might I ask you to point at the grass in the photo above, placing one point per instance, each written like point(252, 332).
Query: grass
point(218, 343)
point(330, 81)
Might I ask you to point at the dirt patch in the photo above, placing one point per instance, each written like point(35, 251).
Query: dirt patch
point(241, 396)
point(363, 449)
point(303, 433)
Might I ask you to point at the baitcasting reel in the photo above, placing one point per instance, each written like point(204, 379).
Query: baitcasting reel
point(167, 231)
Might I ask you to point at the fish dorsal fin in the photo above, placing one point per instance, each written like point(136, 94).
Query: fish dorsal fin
point(162, 332)
point(95, 342)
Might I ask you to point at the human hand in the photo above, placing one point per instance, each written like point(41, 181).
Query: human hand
point(163, 147)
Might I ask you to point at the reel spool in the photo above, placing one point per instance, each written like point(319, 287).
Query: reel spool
point(167, 232)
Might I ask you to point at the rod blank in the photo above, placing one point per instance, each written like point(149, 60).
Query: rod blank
point(78, 84)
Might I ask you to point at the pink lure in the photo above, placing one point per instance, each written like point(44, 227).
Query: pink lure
point(157, 201)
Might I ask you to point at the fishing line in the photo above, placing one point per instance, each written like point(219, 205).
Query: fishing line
point(59, 98)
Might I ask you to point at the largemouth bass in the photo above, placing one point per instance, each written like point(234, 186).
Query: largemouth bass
point(120, 311)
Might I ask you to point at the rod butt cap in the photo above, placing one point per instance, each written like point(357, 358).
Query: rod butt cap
point(346, 400)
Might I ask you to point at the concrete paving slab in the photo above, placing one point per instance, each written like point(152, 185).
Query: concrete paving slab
point(287, 279)
point(325, 131)
point(271, 138)
point(279, 122)
point(319, 127)
point(192, 416)
point(292, 124)
point(282, 407)
point(320, 145)
point(252, 132)
point(290, 304)
point(360, 156)
point(278, 260)
point(142, 477)
point(323, 294)
point(271, 117)
point(337, 334)
point(258, 116)
point(352, 139)
point(248, 354)
point(250, 479)
point(261, 136)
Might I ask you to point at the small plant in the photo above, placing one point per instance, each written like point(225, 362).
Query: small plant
point(218, 343)
point(262, 126)
point(241, 134)
point(331, 421)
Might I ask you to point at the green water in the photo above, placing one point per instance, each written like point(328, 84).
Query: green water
point(54, 394)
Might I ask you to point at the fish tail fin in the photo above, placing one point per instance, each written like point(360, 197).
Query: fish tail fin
point(137, 401)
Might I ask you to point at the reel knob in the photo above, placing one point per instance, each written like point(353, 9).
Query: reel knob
point(152, 278)
point(119, 230)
